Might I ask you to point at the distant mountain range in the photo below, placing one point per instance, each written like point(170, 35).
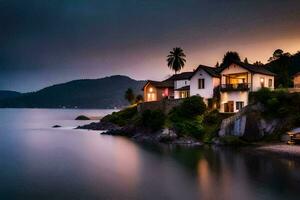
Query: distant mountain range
point(5, 94)
point(105, 92)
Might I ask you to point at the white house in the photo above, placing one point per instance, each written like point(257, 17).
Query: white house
point(182, 84)
point(237, 80)
point(204, 82)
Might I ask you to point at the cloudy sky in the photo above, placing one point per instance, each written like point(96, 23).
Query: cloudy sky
point(43, 42)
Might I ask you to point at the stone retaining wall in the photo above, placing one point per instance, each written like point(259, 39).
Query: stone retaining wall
point(165, 105)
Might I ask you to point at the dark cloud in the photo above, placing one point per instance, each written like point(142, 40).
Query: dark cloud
point(49, 41)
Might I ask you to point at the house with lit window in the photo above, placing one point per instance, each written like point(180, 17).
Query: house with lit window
point(182, 84)
point(175, 87)
point(237, 80)
point(158, 90)
point(204, 82)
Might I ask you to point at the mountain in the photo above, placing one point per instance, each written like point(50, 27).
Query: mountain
point(105, 92)
point(6, 94)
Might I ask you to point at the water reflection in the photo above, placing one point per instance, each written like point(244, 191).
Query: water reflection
point(38, 162)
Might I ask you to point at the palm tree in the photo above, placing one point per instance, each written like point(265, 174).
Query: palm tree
point(176, 59)
point(129, 95)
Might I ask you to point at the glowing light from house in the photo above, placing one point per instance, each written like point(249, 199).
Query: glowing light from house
point(166, 92)
point(262, 80)
point(150, 89)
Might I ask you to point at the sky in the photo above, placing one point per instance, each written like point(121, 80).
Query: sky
point(44, 42)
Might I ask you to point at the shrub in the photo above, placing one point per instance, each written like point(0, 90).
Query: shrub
point(152, 119)
point(193, 106)
point(190, 107)
point(191, 127)
point(122, 117)
point(261, 95)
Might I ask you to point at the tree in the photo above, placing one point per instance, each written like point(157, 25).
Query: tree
point(176, 59)
point(229, 58)
point(246, 60)
point(139, 98)
point(258, 64)
point(281, 62)
point(129, 95)
point(217, 65)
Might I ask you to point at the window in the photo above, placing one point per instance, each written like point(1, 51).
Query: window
point(270, 83)
point(262, 82)
point(201, 83)
point(239, 105)
point(185, 82)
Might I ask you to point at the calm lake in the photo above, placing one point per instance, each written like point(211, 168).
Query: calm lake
point(40, 162)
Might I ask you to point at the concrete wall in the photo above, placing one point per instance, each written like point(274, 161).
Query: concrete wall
point(233, 96)
point(210, 84)
point(181, 83)
point(257, 81)
point(165, 105)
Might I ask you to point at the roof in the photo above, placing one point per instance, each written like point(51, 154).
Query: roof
point(181, 76)
point(212, 71)
point(253, 68)
point(160, 84)
point(297, 74)
point(184, 88)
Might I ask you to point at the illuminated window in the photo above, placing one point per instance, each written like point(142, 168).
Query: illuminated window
point(262, 82)
point(151, 89)
point(270, 83)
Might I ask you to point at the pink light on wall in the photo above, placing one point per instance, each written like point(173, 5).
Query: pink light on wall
point(166, 92)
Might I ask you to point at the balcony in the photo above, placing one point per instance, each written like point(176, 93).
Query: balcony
point(235, 87)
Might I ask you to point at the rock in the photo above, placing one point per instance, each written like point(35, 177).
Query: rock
point(99, 126)
point(56, 126)
point(82, 117)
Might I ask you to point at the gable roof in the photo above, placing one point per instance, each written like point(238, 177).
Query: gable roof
point(297, 74)
point(212, 71)
point(160, 84)
point(181, 76)
point(252, 68)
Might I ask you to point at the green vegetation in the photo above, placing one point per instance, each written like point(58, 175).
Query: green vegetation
point(123, 117)
point(153, 120)
point(190, 118)
point(279, 104)
point(82, 117)
point(187, 118)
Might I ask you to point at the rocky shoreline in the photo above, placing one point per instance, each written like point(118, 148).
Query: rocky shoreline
point(166, 136)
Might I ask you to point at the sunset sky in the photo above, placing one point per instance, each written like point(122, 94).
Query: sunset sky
point(44, 42)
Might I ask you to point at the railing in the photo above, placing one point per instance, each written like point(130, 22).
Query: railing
point(235, 87)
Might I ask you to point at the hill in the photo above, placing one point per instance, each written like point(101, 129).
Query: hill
point(6, 94)
point(105, 92)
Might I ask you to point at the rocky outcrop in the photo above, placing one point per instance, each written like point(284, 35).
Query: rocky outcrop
point(249, 124)
point(99, 126)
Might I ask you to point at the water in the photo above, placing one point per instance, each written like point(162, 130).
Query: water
point(39, 162)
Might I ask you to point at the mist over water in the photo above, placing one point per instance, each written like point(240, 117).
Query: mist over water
point(39, 162)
